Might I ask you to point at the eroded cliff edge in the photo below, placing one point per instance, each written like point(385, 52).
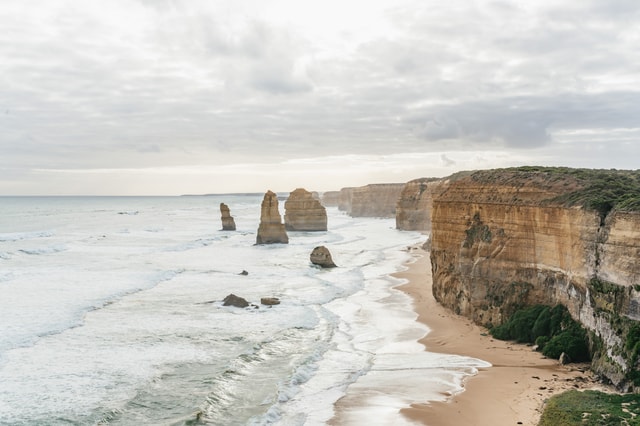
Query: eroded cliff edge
point(373, 200)
point(413, 209)
point(509, 238)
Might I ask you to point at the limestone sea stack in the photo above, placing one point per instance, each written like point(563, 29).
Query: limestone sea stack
point(228, 224)
point(271, 229)
point(321, 256)
point(304, 212)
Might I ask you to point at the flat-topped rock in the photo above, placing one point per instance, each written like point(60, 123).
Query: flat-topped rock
point(304, 212)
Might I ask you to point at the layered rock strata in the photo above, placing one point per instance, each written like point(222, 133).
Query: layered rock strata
point(228, 224)
point(505, 239)
point(413, 211)
point(331, 198)
point(344, 199)
point(271, 229)
point(304, 212)
point(374, 200)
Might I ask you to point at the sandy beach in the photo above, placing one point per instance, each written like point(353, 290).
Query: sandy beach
point(511, 392)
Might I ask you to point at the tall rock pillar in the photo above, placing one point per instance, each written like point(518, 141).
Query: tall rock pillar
point(271, 229)
point(228, 224)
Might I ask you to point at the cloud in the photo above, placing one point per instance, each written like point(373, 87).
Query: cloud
point(141, 84)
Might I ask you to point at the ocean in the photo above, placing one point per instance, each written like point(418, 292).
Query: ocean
point(111, 313)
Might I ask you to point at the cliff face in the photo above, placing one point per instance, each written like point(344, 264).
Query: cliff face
point(413, 211)
point(374, 200)
point(331, 198)
point(344, 199)
point(502, 240)
point(303, 212)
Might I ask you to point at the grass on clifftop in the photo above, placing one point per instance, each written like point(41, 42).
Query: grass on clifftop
point(597, 189)
point(591, 408)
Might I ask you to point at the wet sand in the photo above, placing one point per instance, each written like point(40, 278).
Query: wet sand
point(511, 392)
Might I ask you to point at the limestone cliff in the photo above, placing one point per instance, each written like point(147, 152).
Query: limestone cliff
point(374, 200)
point(331, 198)
point(505, 239)
point(344, 200)
point(413, 211)
point(303, 212)
point(271, 230)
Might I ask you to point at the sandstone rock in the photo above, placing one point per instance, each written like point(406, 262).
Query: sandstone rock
point(375, 200)
point(322, 257)
point(413, 211)
point(270, 301)
point(330, 198)
point(303, 212)
point(228, 224)
point(233, 300)
point(344, 200)
point(503, 239)
point(271, 230)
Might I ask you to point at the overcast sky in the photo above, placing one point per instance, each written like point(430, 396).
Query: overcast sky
point(202, 96)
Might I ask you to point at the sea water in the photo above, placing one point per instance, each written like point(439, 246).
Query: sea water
point(111, 313)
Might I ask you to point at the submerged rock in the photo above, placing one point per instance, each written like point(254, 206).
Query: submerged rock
point(233, 300)
point(321, 256)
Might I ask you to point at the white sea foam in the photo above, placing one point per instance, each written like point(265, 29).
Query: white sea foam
point(119, 317)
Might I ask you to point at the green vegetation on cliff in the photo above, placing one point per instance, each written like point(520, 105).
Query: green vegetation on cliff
point(552, 329)
point(597, 189)
point(591, 408)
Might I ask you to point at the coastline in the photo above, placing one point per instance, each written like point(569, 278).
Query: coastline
point(511, 392)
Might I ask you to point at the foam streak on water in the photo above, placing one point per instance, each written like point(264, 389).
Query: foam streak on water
point(110, 313)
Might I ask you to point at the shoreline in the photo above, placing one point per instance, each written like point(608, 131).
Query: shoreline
point(511, 392)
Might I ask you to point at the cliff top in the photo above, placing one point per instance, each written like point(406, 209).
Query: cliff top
point(597, 189)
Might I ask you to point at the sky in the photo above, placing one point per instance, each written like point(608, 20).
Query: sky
point(168, 97)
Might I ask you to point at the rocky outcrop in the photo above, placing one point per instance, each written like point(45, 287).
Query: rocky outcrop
point(271, 229)
point(375, 200)
point(330, 198)
point(321, 256)
point(236, 301)
point(413, 211)
point(505, 239)
point(269, 301)
point(228, 224)
point(303, 212)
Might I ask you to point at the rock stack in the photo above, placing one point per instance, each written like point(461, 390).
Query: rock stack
point(271, 229)
point(304, 212)
point(228, 224)
point(322, 257)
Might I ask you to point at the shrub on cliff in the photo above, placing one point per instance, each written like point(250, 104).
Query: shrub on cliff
point(552, 329)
